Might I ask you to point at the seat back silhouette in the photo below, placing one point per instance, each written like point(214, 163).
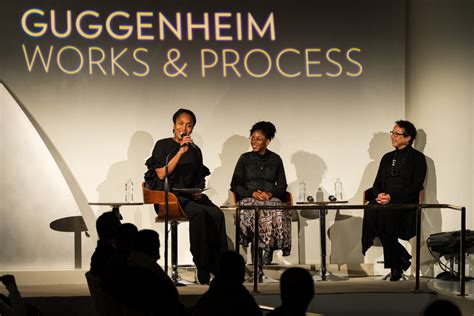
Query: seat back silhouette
point(104, 303)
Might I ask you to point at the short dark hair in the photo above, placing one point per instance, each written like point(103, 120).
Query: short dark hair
point(442, 307)
point(184, 111)
point(231, 267)
point(147, 241)
point(296, 286)
point(408, 129)
point(266, 128)
point(125, 237)
point(107, 225)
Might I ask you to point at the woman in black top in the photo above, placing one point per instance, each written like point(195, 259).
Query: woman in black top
point(259, 179)
point(186, 170)
point(399, 181)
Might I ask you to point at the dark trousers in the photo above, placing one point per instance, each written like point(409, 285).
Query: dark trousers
point(387, 225)
point(207, 232)
point(393, 251)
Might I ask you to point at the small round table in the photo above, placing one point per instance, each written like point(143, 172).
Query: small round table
point(76, 225)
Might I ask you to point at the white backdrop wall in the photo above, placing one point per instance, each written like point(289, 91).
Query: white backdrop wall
point(440, 99)
point(443, 103)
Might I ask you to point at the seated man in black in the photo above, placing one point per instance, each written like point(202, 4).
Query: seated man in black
point(399, 181)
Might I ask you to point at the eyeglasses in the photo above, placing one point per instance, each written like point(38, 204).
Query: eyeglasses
point(393, 133)
point(257, 139)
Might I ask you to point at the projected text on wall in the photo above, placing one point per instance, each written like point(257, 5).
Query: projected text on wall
point(215, 33)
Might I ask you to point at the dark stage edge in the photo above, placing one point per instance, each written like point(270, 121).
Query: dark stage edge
point(354, 296)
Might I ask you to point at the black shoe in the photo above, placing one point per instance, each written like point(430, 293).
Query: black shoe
point(395, 274)
point(203, 276)
point(405, 263)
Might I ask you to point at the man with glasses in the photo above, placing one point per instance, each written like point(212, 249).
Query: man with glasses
point(399, 180)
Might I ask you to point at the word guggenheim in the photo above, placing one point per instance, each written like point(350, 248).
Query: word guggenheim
point(124, 28)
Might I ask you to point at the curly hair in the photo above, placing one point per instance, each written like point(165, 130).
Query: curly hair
point(266, 128)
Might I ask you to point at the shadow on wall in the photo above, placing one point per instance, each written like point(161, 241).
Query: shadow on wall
point(220, 178)
point(431, 220)
point(112, 189)
point(346, 232)
point(311, 169)
point(219, 181)
point(379, 145)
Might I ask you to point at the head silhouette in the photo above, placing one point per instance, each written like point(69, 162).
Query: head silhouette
point(107, 225)
point(148, 242)
point(231, 267)
point(125, 237)
point(297, 288)
point(442, 307)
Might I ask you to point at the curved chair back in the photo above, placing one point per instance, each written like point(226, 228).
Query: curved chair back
point(175, 212)
point(367, 196)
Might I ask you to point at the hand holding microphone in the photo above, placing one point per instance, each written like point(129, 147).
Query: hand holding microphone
point(186, 140)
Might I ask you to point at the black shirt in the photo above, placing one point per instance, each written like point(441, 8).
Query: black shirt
point(259, 172)
point(403, 178)
point(188, 173)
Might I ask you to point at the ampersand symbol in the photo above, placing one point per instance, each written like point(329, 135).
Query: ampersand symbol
point(173, 56)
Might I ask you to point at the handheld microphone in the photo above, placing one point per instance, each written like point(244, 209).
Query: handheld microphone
point(191, 144)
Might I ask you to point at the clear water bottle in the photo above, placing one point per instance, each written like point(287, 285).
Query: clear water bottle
point(302, 191)
point(129, 191)
point(320, 195)
point(338, 189)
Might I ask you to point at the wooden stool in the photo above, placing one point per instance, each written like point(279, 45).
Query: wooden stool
point(175, 215)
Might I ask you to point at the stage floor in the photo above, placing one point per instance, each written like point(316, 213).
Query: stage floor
point(354, 296)
point(352, 285)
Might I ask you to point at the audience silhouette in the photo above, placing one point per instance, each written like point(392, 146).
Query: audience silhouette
point(226, 294)
point(125, 276)
point(146, 286)
point(13, 305)
point(106, 225)
point(441, 308)
point(117, 263)
point(296, 291)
